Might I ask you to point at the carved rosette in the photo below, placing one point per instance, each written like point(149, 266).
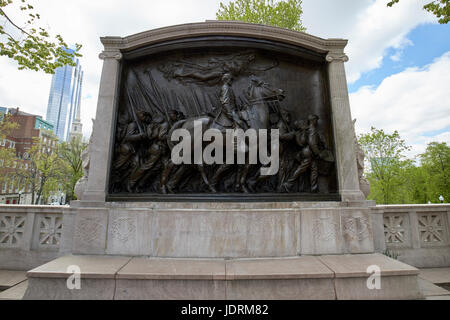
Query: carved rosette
point(394, 230)
point(12, 229)
point(50, 229)
point(431, 228)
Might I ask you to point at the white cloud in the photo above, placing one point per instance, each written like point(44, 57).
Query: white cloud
point(84, 22)
point(415, 102)
point(369, 25)
point(400, 47)
point(378, 28)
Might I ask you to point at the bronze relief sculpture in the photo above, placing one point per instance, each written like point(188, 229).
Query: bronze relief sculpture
point(232, 88)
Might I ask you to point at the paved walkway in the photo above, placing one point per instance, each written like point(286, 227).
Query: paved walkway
point(433, 283)
point(13, 284)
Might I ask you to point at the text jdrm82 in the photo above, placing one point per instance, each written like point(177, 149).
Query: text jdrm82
point(256, 309)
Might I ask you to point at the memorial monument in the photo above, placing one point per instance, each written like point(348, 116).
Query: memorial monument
point(189, 230)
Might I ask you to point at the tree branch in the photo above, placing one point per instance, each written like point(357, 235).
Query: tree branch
point(15, 25)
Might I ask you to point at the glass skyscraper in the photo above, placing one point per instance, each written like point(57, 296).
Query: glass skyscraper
point(64, 99)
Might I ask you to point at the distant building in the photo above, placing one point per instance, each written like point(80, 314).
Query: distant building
point(64, 99)
point(31, 127)
point(42, 124)
point(76, 130)
point(3, 111)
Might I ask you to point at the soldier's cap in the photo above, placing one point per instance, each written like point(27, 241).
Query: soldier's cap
point(158, 118)
point(144, 113)
point(300, 123)
point(254, 78)
point(284, 112)
point(227, 76)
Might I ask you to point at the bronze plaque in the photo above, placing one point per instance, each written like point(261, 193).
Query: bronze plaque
point(224, 83)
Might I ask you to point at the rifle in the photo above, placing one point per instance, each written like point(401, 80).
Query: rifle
point(133, 111)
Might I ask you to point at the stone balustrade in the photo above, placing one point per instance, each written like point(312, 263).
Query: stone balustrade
point(418, 235)
point(29, 235)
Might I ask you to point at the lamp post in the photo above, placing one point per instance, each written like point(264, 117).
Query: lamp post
point(441, 198)
point(20, 194)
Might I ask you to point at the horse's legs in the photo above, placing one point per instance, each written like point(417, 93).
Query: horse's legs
point(176, 178)
point(314, 176)
point(168, 165)
point(241, 180)
point(205, 178)
point(142, 172)
point(303, 166)
point(217, 175)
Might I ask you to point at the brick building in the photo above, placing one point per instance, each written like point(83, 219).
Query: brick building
point(31, 127)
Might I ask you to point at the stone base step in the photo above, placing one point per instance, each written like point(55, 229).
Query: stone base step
point(14, 293)
point(10, 278)
point(294, 278)
point(429, 289)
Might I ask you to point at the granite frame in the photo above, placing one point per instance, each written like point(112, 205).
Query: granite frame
point(116, 48)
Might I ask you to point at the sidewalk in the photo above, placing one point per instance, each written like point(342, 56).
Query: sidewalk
point(13, 284)
point(435, 283)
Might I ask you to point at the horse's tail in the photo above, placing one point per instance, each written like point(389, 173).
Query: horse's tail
point(176, 125)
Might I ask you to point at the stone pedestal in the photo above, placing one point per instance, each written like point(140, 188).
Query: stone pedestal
point(217, 230)
point(340, 277)
point(222, 230)
point(329, 51)
point(222, 250)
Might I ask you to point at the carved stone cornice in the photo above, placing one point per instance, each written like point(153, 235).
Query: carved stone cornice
point(334, 56)
point(116, 54)
point(223, 28)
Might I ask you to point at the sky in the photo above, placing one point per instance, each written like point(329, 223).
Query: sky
point(398, 74)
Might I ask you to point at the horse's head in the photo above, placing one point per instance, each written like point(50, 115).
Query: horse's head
point(260, 90)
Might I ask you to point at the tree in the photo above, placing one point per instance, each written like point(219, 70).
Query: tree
point(7, 155)
point(30, 44)
point(385, 156)
point(415, 189)
point(44, 172)
point(436, 163)
point(440, 8)
point(284, 14)
point(70, 153)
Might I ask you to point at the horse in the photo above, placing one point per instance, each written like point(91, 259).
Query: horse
point(261, 99)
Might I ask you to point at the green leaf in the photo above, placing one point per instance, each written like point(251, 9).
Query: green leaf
point(284, 14)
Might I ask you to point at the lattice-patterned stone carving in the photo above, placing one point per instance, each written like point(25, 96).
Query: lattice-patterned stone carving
point(394, 228)
point(431, 228)
point(356, 228)
point(88, 231)
point(325, 229)
point(12, 229)
point(50, 229)
point(123, 229)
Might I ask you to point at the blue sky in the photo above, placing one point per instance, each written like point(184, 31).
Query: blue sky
point(398, 73)
point(427, 42)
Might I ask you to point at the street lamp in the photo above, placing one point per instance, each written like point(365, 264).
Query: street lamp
point(20, 193)
point(441, 198)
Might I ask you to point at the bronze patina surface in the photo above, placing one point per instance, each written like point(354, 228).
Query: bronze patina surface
point(226, 83)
